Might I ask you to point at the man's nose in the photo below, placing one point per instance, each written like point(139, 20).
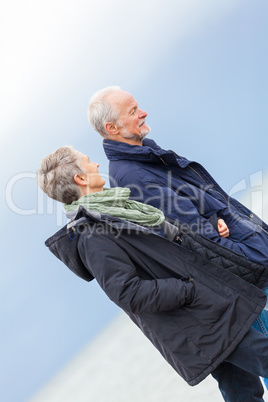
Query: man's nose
point(97, 164)
point(142, 114)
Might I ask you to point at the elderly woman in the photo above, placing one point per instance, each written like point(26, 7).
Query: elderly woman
point(197, 314)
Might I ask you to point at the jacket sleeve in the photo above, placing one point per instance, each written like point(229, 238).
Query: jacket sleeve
point(176, 207)
point(117, 276)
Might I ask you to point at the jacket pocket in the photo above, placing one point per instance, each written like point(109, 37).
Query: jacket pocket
point(208, 305)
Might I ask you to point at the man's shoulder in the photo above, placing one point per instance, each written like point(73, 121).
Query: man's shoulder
point(124, 172)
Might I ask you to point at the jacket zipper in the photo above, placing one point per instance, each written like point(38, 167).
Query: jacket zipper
point(207, 183)
point(162, 160)
point(197, 174)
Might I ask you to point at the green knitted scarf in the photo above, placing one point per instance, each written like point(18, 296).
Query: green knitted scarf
point(116, 202)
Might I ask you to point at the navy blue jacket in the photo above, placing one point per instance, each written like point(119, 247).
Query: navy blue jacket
point(194, 307)
point(185, 192)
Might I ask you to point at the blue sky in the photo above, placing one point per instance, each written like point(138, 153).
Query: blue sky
point(200, 71)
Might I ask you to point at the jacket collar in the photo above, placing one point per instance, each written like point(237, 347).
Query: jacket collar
point(64, 243)
point(149, 152)
point(89, 217)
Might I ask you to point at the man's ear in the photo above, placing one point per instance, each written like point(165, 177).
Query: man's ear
point(80, 179)
point(111, 128)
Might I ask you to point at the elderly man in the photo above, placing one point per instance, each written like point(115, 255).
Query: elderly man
point(182, 189)
point(196, 314)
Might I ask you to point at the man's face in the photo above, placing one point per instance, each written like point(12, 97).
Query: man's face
point(131, 120)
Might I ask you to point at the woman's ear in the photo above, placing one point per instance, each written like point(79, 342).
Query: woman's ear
point(80, 179)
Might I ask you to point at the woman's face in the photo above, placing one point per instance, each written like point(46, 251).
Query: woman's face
point(94, 180)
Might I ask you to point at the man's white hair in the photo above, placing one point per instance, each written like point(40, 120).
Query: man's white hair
point(100, 111)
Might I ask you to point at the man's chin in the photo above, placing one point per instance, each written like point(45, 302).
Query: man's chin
point(136, 137)
point(145, 132)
